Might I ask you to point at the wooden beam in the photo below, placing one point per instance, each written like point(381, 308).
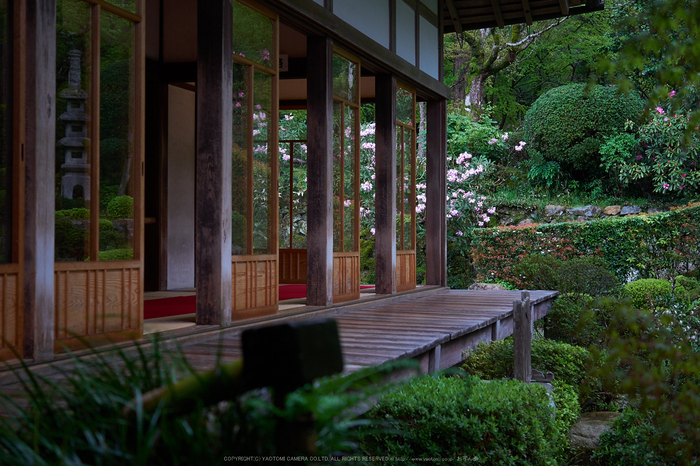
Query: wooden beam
point(456, 21)
point(527, 11)
point(319, 268)
point(564, 5)
point(496, 4)
point(39, 188)
point(213, 177)
point(385, 185)
point(311, 17)
point(436, 206)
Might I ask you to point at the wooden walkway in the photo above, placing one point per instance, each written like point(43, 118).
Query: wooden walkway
point(433, 327)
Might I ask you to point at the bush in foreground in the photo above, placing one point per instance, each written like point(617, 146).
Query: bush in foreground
point(465, 420)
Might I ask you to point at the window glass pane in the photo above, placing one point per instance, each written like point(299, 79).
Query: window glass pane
point(338, 141)
point(73, 127)
point(286, 178)
point(239, 163)
point(252, 35)
point(349, 180)
point(345, 78)
point(404, 107)
point(408, 190)
point(300, 197)
point(5, 135)
point(399, 186)
point(292, 179)
point(116, 138)
point(263, 150)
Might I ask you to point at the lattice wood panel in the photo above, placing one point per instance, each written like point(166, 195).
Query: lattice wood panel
point(10, 322)
point(254, 286)
point(293, 266)
point(97, 301)
point(346, 276)
point(405, 270)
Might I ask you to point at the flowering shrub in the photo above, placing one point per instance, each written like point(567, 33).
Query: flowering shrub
point(665, 157)
point(465, 208)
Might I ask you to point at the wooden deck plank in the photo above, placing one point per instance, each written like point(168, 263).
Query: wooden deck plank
point(371, 333)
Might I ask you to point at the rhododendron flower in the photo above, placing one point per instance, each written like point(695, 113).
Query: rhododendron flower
point(660, 110)
point(639, 157)
point(672, 93)
point(459, 233)
point(492, 141)
point(666, 185)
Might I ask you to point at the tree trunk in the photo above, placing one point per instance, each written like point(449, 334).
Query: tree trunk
point(459, 88)
point(474, 100)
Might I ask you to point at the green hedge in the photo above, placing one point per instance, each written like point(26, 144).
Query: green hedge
point(494, 360)
point(644, 246)
point(497, 422)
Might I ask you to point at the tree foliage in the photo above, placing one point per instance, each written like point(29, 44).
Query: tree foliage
point(568, 124)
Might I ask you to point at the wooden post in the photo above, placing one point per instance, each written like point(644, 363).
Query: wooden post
point(385, 197)
point(522, 338)
point(319, 269)
point(213, 162)
point(39, 156)
point(436, 205)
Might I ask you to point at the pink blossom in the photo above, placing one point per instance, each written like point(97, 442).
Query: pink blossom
point(672, 93)
point(660, 110)
point(459, 233)
point(666, 186)
point(639, 157)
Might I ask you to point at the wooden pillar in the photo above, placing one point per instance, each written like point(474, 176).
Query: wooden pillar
point(319, 268)
point(213, 162)
point(436, 205)
point(385, 189)
point(39, 179)
point(522, 338)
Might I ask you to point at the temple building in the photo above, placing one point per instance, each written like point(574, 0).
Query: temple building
point(142, 152)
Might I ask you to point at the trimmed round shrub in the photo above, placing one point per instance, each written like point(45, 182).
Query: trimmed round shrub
point(121, 207)
point(649, 294)
point(568, 124)
point(78, 213)
point(687, 288)
point(126, 254)
point(494, 360)
point(497, 422)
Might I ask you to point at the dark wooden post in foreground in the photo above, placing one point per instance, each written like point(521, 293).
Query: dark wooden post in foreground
point(522, 337)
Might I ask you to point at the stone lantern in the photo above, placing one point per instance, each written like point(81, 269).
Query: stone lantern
point(76, 166)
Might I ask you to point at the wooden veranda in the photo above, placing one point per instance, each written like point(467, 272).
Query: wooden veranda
point(434, 326)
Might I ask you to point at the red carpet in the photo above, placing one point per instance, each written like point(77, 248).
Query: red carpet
point(166, 307)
